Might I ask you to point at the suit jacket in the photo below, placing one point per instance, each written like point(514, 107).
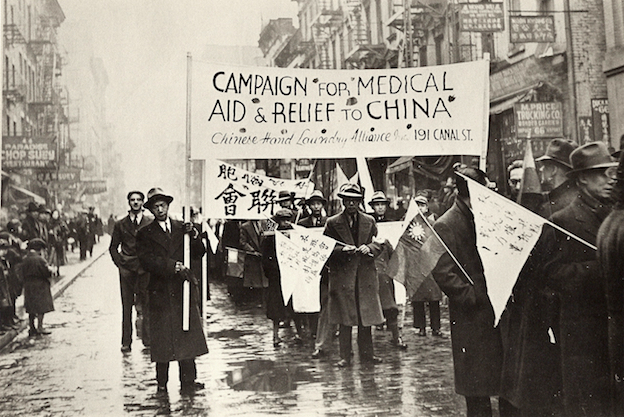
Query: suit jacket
point(476, 344)
point(122, 247)
point(158, 253)
point(347, 270)
point(308, 222)
point(251, 242)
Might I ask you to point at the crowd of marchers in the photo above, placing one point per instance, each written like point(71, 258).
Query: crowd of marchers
point(557, 350)
point(33, 246)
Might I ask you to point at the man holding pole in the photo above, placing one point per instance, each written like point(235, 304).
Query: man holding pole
point(160, 248)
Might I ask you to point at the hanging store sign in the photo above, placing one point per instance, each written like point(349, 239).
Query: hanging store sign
point(94, 187)
point(265, 112)
point(527, 29)
point(538, 120)
point(63, 175)
point(28, 152)
point(600, 118)
point(481, 17)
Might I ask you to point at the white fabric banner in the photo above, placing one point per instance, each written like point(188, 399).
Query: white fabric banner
point(506, 234)
point(261, 112)
point(234, 193)
point(301, 259)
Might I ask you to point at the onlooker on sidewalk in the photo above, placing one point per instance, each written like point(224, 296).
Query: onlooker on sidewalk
point(37, 293)
point(133, 279)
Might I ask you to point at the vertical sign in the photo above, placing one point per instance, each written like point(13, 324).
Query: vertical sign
point(586, 129)
point(600, 118)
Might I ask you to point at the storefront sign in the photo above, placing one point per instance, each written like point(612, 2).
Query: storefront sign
point(600, 117)
point(94, 187)
point(63, 175)
point(28, 152)
point(586, 129)
point(538, 120)
point(526, 29)
point(264, 112)
point(481, 17)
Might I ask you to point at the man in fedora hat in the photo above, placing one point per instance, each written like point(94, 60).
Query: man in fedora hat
point(316, 202)
point(353, 284)
point(286, 200)
point(573, 271)
point(133, 279)
point(611, 256)
point(553, 167)
point(31, 227)
point(379, 203)
point(160, 248)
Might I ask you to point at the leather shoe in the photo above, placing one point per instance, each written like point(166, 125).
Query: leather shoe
point(422, 333)
point(161, 388)
point(343, 363)
point(126, 348)
point(372, 360)
point(318, 353)
point(43, 331)
point(400, 344)
point(438, 333)
point(191, 386)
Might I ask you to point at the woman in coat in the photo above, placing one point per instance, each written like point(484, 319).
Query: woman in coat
point(37, 294)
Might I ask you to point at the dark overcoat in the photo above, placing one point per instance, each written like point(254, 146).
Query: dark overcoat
point(275, 308)
point(477, 348)
point(611, 257)
point(350, 270)
point(573, 270)
point(386, 283)
point(158, 253)
point(37, 293)
point(122, 246)
point(251, 242)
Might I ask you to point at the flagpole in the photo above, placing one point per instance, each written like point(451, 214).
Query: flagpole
point(305, 195)
point(186, 286)
point(546, 221)
point(446, 247)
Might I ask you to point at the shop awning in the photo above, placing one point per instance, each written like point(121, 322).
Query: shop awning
point(38, 199)
point(400, 164)
point(504, 103)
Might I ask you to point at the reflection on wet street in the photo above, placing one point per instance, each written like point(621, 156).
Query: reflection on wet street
point(79, 369)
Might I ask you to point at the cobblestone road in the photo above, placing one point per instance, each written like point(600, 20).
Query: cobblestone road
point(79, 370)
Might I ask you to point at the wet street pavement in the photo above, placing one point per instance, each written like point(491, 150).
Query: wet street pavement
point(79, 370)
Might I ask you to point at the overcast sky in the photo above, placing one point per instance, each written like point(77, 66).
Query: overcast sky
point(143, 44)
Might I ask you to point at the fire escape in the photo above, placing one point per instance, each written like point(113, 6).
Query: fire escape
point(14, 89)
point(327, 20)
point(361, 52)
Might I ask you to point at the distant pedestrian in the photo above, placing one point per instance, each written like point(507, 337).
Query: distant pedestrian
point(37, 293)
point(133, 279)
point(160, 248)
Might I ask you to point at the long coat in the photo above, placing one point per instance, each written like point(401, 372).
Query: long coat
point(386, 283)
point(251, 242)
point(158, 253)
point(275, 308)
point(611, 256)
point(573, 271)
point(37, 293)
point(476, 344)
point(348, 270)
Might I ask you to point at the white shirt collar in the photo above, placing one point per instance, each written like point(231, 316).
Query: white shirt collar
point(138, 216)
point(165, 224)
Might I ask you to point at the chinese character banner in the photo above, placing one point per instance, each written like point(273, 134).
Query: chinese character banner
point(234, 193)
point(264, 112)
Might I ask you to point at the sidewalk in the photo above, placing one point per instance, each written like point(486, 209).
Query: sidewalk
point(69, 273)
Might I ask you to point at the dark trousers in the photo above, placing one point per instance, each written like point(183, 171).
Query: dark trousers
point(419, 314)
point(482, 407)
point(133, 293)
point(188, 372)
point(365, 342)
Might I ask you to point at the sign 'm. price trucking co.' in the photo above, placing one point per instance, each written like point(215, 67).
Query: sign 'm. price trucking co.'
point(246, 112)
point(539, 120)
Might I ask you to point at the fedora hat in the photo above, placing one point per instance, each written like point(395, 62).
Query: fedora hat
point(559, 151)
point(284, 196)
point(32, 207)
point(36, 244)
point(283, 214)
point(378, 197)
point(593, 155)
point(350, 190)
point(157, 194)
point(617, 153)
point(316, 195)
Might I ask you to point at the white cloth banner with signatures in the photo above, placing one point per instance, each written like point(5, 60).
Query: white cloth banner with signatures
point(506, 235)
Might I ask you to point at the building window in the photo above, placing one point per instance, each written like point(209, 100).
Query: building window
point(422, 55)
point(438, 49)
point(8, 126)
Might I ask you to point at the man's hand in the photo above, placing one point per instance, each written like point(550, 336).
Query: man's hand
point(179, 267)
point(364, 250)
point(349, 248)
point(190, 229)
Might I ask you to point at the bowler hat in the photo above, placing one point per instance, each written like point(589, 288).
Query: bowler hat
point(157, 194)
point(136, 192)
point(32, 206)
point(284, 214)
point(350, 190)
point(284, 196)
point(378, 197)
point(559, 151)
point(593, 155)
point(316, 195)
point(36, 244)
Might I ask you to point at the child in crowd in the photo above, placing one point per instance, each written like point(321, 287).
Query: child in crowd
point(37, 294)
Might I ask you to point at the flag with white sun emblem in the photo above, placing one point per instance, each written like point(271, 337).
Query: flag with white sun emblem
point(416, 254)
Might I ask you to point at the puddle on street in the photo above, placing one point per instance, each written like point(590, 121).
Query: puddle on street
point(266, 376)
